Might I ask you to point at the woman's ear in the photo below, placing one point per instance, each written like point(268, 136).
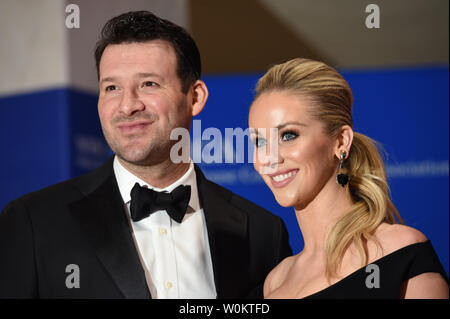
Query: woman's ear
point(199, 97)
point(344, 141)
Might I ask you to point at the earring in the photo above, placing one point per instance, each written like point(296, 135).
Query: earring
point(341, 178)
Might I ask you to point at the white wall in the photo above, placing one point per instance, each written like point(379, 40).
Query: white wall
point(32, 51)
point(38, 51)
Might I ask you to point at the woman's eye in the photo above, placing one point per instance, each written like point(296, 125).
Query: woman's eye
point(288, 136)
point(110, 88)
point(258, 142)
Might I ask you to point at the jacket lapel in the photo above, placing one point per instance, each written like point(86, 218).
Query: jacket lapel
point(227, 234)
point(102, 218)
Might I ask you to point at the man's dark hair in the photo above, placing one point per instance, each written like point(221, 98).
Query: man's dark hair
point(143, 26)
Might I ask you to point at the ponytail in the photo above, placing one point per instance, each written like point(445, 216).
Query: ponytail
point(372, 204)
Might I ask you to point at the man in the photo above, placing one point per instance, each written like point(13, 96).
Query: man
point(108, 234)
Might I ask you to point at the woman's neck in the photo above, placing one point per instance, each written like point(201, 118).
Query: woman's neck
point(318, 217)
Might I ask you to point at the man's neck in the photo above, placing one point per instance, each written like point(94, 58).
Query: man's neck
point(159, 175)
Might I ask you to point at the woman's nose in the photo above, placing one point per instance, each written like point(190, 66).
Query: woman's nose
point(269, 157)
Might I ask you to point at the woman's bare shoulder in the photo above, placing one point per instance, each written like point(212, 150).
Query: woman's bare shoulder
point(393, 237)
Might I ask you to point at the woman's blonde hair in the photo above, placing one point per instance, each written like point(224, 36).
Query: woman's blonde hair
point(331, 102)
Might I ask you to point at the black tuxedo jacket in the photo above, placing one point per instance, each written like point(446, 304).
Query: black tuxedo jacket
point(82, 221)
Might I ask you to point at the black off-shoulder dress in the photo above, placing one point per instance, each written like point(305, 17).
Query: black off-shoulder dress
point(383, 278)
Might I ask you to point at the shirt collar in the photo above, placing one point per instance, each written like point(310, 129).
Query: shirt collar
point(126, 180)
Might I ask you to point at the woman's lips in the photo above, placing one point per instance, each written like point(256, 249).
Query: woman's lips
point(282, 178)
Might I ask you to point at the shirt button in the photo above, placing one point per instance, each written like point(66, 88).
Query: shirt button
point(163, 231)
point(168, 284)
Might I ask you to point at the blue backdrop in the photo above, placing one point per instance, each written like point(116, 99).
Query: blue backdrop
point(52, 135)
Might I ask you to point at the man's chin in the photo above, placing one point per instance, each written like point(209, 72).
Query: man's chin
point(133, 159)
point(140, 157)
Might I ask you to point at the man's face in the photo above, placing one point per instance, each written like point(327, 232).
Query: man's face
point(141, 100)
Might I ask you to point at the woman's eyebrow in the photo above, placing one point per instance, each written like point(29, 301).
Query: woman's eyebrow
point(280, 126)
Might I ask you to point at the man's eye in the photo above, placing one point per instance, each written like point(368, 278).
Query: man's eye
point(149, 84)
point(258, 141)
point(110, 88)
point(288, 136)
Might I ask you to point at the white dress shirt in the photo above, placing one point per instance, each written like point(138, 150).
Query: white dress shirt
point(176, 257)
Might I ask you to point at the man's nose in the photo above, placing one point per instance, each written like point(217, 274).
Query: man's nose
point(131, 103)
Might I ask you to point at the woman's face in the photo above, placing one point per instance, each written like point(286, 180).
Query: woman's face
point(304, 162)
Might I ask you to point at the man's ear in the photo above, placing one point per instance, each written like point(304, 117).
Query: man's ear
point(344, 141)
point(199, 97)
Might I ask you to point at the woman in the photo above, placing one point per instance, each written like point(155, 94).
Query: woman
point(336, 182)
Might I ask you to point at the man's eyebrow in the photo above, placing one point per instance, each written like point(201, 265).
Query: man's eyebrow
point(147, 75)
point(138, 75)
point(108, 79)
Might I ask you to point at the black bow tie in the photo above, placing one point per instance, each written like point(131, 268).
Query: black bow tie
point(145, 201)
